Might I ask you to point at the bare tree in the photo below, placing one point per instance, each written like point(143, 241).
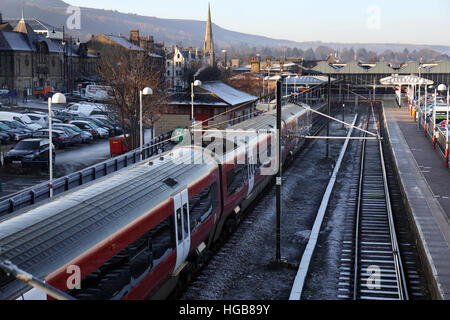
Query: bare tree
point(128, 72)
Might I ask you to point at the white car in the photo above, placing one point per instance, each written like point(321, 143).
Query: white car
point(41, 119)
point(24, 119)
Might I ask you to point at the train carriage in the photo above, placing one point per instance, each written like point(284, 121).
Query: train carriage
point(138, 233)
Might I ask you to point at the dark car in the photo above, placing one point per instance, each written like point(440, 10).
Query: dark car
point(4, 138)
point(30, 152)
point(18, 126)
point(74, 137)
point(86, 136)
point(86, 126)
point(14, 134)
point(60, 138)
point(99, 123)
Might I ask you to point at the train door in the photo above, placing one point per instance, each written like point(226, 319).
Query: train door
point(182, 227)
point(251, 167)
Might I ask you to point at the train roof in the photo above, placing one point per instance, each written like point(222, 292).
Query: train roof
point(45, 238)
point(251, 130)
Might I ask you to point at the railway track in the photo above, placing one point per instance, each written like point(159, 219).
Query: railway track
point(372, 266)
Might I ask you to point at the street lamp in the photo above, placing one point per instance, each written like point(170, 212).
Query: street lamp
point(57, 98)
point(268, 99)
point(196, 83)
point(146, 92)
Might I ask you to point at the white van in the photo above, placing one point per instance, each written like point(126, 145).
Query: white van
point(22, 118)
point(98, 93)
point(86, 110)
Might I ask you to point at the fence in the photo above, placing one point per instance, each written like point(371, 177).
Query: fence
point(39, 193)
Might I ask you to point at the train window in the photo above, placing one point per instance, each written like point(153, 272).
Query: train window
point(113, 280)
point(162, 240)
point(236, 179)
point(185, 219)
point(179, 227)
point(202, 206)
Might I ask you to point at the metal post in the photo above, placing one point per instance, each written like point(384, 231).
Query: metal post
point(434, 119)
point(329, 114)
point(140, 123)
point(425, 111)
point(50, 149)
point(279, 174)
point(418, 120)
point(446, 142)
point(192, 102)
point(343, 115)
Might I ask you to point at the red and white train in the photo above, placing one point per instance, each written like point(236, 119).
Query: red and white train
point(141, 232)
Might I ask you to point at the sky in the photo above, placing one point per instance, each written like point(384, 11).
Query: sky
point(349, 21)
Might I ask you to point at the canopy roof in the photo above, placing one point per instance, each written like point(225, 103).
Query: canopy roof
point(405, 80)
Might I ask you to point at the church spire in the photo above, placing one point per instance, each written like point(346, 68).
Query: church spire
point(208, 48)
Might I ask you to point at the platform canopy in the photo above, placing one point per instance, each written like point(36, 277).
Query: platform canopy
point(405, 81)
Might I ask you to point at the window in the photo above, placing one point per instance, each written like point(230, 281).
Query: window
point(236, 178)
point(115, 277)
point(202, 206)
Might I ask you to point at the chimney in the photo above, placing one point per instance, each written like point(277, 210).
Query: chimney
point(256, 65)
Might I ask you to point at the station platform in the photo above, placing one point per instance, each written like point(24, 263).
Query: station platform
point(425, 184)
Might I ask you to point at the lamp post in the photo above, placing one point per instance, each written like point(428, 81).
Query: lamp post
point(295, 87)
point(267, 79)
point(226, 64)
point(57, 98)
point(287, 84)
point(196, 83)
point(146, 92)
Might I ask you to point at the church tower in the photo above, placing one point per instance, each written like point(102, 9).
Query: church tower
point(208, 48)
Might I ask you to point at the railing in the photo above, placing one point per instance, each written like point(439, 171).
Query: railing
point(41, 192)
point(441, 135)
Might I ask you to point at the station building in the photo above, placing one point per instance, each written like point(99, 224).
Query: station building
point(215, 99)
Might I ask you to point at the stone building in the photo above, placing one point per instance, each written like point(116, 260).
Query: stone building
point(180, 65)
point(30, 61)
point(104, 43)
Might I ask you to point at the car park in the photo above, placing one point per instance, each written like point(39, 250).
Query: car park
point(60, 138)
point(29, 152)
point(86, 136)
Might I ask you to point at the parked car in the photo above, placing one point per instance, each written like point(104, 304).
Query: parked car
point(41, 119)
point(74, 137)
point(99, 123)
point(10, 116)
point(92, 127)
point(85, 110)
point(107, 121)
point(60, 138)
point(30, 151)
point(86, 136)
point(4, 138)
point(18, 125)
point(14, 134)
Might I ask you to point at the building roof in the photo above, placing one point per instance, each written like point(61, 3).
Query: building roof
point(214, 93)
point(14, 41)
point(228, 94)
point(124, 43)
